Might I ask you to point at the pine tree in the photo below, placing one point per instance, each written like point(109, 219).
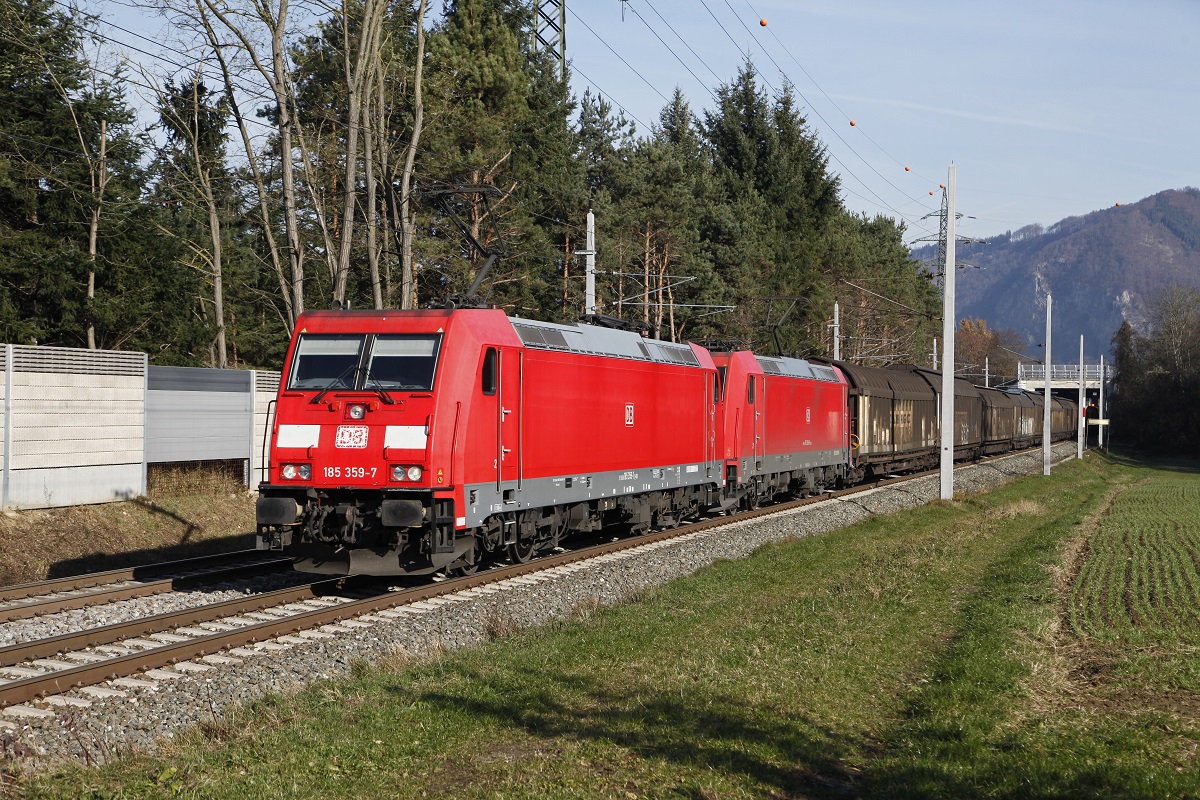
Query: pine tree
point(56, 119)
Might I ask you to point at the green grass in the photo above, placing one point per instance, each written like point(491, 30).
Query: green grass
point(943, 652)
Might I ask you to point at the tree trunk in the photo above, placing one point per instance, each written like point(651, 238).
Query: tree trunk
point(101, 180)
point(646, 278)
point(264, 209)
point(372, 211)
point(278, 80)
point(356, 81)
point(408, 285)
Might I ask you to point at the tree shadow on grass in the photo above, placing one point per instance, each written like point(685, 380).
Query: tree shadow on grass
point(775, 753)
point(1147, 460)
point(1069, 763)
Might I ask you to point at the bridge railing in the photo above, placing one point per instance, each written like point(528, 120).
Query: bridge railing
point(1061, 372)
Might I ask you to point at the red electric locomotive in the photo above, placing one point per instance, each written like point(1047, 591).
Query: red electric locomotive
point(417, 441)
point(785, 429)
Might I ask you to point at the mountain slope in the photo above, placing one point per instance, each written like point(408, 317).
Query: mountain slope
point(1101, 268)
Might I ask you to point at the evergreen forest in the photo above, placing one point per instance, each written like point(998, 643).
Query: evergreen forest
point(377, 154)
point(1156, 402)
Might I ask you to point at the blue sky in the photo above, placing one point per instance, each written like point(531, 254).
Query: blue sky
point(1048, 109)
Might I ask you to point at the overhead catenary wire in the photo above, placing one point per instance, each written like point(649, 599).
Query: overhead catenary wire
point(911, 219)
point(832, 128)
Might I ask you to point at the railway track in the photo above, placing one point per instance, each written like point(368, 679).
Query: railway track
point(66, 594)
point(197, 639)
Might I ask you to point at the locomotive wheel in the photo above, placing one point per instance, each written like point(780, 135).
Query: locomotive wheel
point(525, 545)
point(521, 551)
point(465, 570)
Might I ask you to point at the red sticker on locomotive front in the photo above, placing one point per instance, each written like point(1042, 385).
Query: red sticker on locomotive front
point(351, 436)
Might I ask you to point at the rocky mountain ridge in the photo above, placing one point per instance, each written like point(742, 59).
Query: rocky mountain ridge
point(1102, 268)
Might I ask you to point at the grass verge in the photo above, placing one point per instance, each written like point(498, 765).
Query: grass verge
point(926, 654)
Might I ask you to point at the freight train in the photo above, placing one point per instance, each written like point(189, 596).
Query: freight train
point(415, 442)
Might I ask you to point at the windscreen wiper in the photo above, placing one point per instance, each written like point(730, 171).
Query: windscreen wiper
point(383, 393)
point(333, 383)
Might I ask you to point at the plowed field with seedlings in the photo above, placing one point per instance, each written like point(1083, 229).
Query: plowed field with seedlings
point(1140, 579)
point(974, 648)
point(1134, 604)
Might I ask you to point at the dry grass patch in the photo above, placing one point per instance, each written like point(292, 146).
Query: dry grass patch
point(1020, 508)
point(1055, 658)
point(191, 510)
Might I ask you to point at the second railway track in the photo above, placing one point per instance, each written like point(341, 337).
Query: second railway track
point(83, 658)
point(27, 600)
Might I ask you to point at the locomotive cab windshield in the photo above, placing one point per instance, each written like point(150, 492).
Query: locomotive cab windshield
point(371, 362)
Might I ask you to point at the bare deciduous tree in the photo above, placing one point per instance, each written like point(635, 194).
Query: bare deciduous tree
point(272, 15)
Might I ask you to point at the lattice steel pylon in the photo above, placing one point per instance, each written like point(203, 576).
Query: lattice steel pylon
point(943, 216)
point(550, 30)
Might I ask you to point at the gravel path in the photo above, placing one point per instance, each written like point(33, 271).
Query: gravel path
point(139, 717)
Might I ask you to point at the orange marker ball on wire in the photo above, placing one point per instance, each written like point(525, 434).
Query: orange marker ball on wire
point(763, 22)
point(1118, 205)
point(852, 123)
point(908, 169)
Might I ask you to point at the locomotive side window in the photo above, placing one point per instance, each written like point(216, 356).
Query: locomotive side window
point(487, 380)
point(406, 363)
point(326, 361)
point(750, 390)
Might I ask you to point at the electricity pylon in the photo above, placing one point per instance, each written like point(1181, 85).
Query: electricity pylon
point(550, 29)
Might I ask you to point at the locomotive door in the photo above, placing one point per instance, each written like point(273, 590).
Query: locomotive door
point(712, 397)
point(758, 399)
point(509, 363)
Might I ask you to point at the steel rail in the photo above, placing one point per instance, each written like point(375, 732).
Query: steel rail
point(32, 605)
point(21, 590)
point(108, 634)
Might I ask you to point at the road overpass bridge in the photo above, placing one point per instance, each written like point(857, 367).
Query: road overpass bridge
point(1063, 377)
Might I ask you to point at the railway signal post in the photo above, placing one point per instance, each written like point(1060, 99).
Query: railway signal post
point(1082, 404)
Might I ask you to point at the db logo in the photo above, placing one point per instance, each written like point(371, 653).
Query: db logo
point(351, 436)
point(629, 415)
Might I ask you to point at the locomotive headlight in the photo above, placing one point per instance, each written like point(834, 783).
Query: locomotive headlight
point(291, 472)
point(402, 473)
point(356, 411)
